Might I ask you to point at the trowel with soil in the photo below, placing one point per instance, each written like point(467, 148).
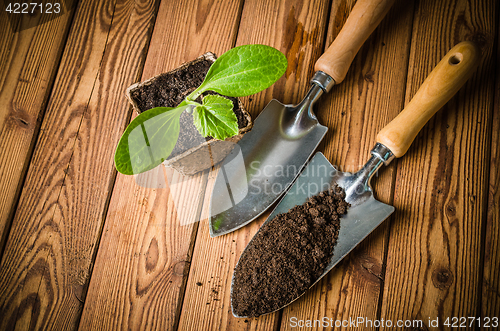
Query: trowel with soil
point(302, 239)
point(266, 161)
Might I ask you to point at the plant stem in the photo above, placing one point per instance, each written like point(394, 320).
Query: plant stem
point(194, 95)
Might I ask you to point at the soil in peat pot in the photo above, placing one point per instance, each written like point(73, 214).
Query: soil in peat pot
point(287, 255)
point(169, 90)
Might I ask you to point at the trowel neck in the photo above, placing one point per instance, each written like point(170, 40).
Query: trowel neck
point(310, 99)
point(323, 80)
point(381, 155)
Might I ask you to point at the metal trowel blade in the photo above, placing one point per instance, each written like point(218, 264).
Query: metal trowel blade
point(262, 166)
point(363, 216)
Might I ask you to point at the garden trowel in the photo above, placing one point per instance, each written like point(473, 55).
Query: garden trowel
point(266, 160)
point(366, 213)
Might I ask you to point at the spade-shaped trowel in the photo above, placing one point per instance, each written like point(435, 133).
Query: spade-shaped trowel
point(365, 212)
point(266, 160)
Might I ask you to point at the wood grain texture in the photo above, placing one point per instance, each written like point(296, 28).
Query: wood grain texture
point(145, 252)
point(28, 63)
point(139, 269)
point(438, 256)
point(48, 257)
point(434, 256)
point(354, 111)
point(490, 305)
point(207, 298)
point(295, 28)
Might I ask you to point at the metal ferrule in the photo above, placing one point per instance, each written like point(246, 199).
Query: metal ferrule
point(323, 80)
point(383, 153)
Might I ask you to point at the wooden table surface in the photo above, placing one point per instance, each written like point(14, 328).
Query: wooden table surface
point(83, 247)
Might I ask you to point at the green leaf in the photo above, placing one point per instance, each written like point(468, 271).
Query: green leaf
point(244, 70)
point(216, 117)
point(148, 140)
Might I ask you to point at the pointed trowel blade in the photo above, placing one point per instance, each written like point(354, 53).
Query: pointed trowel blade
point(363, 216)
point(263, 165)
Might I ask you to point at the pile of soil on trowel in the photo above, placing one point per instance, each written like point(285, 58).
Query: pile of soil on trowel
point(287, 255)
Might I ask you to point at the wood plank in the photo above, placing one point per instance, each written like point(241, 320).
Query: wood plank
point(370, 96)
point(490, 306)
point(434, 257)
point(141, 262)
point(296, 28)
point(48, 258)
point(28, 64)
point(145, 252)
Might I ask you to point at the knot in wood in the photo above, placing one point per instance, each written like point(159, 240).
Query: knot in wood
point(442, 278)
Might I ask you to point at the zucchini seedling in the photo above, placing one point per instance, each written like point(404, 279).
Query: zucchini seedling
point(244, 70)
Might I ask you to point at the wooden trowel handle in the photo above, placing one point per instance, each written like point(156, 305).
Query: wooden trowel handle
point(363, 19)
point(442, 83)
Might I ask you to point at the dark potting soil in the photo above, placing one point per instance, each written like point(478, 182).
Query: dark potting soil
point(287, 255)
point(169, 90)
